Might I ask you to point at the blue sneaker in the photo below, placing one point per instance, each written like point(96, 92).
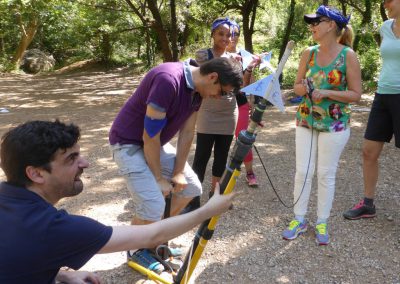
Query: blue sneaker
point(144, 258)
point(294, 229)
point(322, 234)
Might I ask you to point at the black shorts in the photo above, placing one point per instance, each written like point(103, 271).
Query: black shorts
point(384, 119)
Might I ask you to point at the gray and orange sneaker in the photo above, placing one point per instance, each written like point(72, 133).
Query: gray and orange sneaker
point(360, 211)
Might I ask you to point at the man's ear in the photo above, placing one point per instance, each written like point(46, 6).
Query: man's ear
point(213, 76)
point(34, 174)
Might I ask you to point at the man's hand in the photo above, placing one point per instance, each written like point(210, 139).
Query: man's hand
point(165, 186)
point(218, 203)
point(179, 182)
point(77, 277)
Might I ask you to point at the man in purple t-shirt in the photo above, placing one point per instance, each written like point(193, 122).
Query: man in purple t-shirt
point(165, 103)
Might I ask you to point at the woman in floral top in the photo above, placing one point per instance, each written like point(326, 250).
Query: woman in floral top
point(323, 116)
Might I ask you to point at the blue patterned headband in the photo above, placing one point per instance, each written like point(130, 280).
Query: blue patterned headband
point(234, 24)
point(220, 21)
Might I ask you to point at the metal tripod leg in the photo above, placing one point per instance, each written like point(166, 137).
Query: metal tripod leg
point(202, 236)
point(167, 213)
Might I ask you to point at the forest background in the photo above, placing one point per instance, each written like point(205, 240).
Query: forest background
point(141, 34)
point(127, 37)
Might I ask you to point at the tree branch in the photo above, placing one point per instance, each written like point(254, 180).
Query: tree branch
point(136, 11)
point(354, 5)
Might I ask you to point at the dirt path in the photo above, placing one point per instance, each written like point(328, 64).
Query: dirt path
point(247, 247)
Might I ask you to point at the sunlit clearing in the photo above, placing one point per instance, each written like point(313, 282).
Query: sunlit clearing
point(107, 128)
point(116, 180)
point(113, 208)
point(115, 92)
point(283, 279)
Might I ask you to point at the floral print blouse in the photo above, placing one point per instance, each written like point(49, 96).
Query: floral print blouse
point(325, 115)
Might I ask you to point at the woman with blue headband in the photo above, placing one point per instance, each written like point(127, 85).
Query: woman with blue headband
point(384, 118)
point(216, 119)
point(323, 116)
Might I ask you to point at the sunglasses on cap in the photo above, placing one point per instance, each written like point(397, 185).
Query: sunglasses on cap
point(328, 12)
point(317, 21)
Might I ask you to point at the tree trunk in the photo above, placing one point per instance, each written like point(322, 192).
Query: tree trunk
point(288, 30)
point(2, 48)
point(158, 27)
point(106, 47)
point(138, 50)
point(148, 49)
point(26, 38)
point(174, 32)
point(377, 36)
point(2, 45)
point(344, 8)
point(366, 19)
point(248, 12)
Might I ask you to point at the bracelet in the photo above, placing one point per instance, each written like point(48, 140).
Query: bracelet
point(249, 70)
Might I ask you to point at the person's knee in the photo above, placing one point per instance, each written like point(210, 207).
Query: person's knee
point(151, 210)
point(327, 175)
point(303, 171)
point(371, 152)
point(218, 171)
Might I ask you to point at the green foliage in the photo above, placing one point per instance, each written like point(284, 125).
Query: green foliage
point(109, 31)
point(370, 62)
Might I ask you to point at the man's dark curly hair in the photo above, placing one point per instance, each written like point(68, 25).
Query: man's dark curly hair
point(34, 143)
point(229, 71)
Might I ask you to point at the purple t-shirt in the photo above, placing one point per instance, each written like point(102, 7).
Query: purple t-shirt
point(169, 88)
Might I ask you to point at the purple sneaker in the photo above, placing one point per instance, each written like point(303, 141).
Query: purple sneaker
point(321, 234)
point(294, 229)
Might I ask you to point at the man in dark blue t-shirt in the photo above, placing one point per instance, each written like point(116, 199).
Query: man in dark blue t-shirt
point(42, 164)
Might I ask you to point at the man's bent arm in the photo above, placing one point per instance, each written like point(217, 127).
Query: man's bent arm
point(184, 143)
point(151, 145)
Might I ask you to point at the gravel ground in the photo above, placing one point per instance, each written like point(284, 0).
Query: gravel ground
point(247, 246)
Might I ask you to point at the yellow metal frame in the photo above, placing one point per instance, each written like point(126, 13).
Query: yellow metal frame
point(199, 250)
point(150, 274)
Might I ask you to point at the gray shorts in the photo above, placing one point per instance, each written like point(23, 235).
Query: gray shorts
point(147, 197)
